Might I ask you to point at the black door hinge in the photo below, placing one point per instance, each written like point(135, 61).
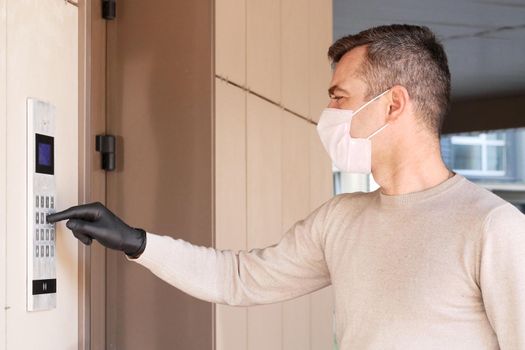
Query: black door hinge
point(109, 9)
point(105, 144)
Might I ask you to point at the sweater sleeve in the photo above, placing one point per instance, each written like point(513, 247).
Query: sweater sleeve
point(502, 275)
point(292, 267)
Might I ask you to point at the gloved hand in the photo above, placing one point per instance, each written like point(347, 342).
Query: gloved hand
point(94, 220)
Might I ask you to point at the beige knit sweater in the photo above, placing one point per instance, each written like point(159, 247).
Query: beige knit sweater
point(442, 268)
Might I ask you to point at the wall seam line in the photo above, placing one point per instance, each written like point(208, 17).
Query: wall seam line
point(277, 104)
point(308, 82)
point(281, 126)
point(5, 178)
point(247, 329)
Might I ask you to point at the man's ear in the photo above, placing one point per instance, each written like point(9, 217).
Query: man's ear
point(398, 102)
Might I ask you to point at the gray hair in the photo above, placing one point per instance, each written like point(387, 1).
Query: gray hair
point(406, 55)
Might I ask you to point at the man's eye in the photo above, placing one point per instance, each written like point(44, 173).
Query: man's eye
point(336, 97)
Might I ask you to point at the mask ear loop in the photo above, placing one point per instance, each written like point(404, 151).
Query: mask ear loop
point(378, 130)
point(375, 98)
point(372, 100)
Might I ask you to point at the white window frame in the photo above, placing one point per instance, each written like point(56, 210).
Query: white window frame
point(484, 142)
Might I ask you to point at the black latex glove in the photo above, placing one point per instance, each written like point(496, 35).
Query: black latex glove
point(94, 220)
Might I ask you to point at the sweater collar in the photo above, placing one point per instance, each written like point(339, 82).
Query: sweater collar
point(407, 199)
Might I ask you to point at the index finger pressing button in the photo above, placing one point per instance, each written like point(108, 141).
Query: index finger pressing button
point(86, 212)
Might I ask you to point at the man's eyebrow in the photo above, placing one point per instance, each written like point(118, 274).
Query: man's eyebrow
point(336, 87)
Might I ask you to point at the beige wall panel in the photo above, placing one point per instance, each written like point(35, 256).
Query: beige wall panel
point(288, 173)
point(264, 209)
point(265, 327)
point(295, 169)
point(42, 62)
point(230, 200)
point(322, 319)
point(320, 40)
point(294, 56)
point(263, 48)
point(232, 327)
point(230, 40)
point(295, 206)
point(230, 166)
point(264, 130)
point(296, 323)
point(321, 178)
point(321, 189)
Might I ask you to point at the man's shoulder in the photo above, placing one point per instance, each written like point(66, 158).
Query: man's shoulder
point(473, 201)
point(506, 215)
point(478, 197)
point(353, 199)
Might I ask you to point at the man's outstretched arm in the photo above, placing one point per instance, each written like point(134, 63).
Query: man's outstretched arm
point(292, 267)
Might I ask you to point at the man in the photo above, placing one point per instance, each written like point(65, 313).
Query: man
point(429, 260)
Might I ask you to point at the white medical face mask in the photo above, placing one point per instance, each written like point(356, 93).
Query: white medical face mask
point(349, 154)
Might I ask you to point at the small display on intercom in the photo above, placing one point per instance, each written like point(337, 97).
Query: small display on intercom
point(44, 154)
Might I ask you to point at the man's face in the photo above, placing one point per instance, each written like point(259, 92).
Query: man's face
point(347, 91)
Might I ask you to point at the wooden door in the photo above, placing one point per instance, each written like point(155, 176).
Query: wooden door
point(159, 81)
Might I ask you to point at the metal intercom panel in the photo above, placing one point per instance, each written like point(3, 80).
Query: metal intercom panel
point(41, 200)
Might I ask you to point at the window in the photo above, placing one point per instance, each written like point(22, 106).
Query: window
point(494, 159)
point(489, 155)
point(349, 182)
point(481, 154)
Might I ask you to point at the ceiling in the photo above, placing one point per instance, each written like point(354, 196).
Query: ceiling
point(484, 40)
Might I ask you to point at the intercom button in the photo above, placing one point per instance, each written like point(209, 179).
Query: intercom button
point(47, 250)
point(37, 202)
point(37, 251)
point(47, 201)
point(37, 218)
point(41, 201)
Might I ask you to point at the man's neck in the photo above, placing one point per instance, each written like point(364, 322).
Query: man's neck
point(412, 175)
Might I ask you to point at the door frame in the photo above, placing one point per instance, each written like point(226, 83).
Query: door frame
point(92, 179)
